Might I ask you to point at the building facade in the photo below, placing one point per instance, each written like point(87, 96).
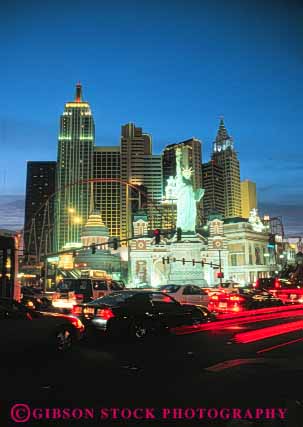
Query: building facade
point(107, 192)
point(104, 262)
point(39, 209)
point(225, 156)
point(248, 197)
point(213, 183)
point(74, 169)
point(248, 253)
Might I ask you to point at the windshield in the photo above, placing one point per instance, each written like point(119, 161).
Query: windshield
point(78, 286)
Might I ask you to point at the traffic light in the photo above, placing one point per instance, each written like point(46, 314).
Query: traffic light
point(93, 248)
point(157, 236)
point(183, 261)
point(271, 241)
point(202, 264)
point(179, 234)
point(220, 275)
point(194, 262)
point(115, 244)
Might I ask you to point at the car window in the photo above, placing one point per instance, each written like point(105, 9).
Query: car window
point(115, 286)
point(83, 285)
point(113, 299)
point(171, 289)
point(100, 285)
point(78, 286)
point(198, 291)
point(187, 290)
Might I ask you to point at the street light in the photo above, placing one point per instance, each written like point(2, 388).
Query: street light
point(77, 220)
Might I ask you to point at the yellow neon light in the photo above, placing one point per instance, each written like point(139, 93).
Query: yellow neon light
point(76, 105)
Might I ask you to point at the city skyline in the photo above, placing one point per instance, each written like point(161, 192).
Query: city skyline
point(189, 70)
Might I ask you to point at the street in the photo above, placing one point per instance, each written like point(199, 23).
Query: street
point(203, 368)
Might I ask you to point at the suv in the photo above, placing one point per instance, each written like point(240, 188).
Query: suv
point(74, 291)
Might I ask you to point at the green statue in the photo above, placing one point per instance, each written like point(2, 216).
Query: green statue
point(187, 197)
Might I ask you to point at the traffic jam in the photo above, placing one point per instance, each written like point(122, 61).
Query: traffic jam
point(85, 308)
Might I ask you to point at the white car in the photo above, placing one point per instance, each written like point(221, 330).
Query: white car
point(187, 294)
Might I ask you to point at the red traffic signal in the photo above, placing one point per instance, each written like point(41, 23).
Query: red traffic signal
point(157, 235)
point(220, 275)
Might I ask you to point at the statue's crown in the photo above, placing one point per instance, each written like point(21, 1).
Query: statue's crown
point(189, 170)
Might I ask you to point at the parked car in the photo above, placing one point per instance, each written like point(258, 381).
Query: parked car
point(187, 294)
point(242, 299)
point(72, 291)
point(23, 329)
point(34, 298)
point(138, 313)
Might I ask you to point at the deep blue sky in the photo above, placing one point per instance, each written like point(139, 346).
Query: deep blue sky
point(172, 67)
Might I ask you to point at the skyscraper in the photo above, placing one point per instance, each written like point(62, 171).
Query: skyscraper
point(142, 171)
point(75, 165)
point(39, 208)
point(225, 156)
point(248, 197)
point(213, 200)
point(107, 193)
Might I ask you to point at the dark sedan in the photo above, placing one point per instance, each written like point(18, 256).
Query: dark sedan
point(34, 298)
point(137, 314)
point(242, 299)
point(23, 330)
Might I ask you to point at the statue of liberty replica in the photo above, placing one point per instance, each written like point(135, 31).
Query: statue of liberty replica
point(186, 196)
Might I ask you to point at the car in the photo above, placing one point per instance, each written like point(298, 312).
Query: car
point(137, 314)
point(23, 329)
point(34, 298)
point(242, 299)
point(72, 291)
point(187, 294)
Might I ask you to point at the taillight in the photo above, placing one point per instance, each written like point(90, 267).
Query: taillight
point(75, 322)
point(79, 296)
point(277, 283)
point(236, 298)
point(105, 313)
point(215, 298)
point(76, 309)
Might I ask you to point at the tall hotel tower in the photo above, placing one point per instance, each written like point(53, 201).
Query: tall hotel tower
point(143, 171)
point(225, 156)
point(74, 165)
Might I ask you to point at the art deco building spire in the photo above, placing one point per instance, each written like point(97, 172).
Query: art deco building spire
point(222, 134)
point(223, 140)
point(78, 97)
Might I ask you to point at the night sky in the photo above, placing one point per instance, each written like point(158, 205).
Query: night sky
point(171, 67)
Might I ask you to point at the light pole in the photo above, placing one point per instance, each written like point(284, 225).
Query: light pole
point(220, 267)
